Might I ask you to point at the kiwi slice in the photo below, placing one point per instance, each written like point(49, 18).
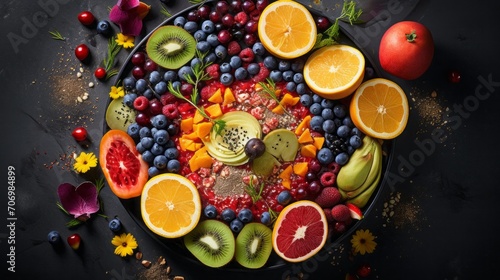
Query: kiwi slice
point(118, 115)
point(211, 242)
point(253, 245)
point(171, 46)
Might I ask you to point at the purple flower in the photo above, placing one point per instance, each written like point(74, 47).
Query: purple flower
point(128, 15)
point(79, 201)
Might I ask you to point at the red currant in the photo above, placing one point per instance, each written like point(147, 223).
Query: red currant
point(364, 271)
point(150, 65)
point(79, 133)
point(82, 52)
point(138, 59)
point(86, 18)
point(204, 11)
point(455, 76)
point(322, 23)
point(138, 72)
point(100, 73)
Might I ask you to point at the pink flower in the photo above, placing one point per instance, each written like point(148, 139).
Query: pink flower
point(128, 15)
point(79, 201)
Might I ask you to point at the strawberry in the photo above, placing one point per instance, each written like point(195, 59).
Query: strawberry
point(341, 213)
point(74, 241)
point(328, 197)
point(355, 211)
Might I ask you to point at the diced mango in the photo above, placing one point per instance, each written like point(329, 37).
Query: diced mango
point(200, 159)
point(278, 110)
point(318, 142)
point(214, 110)
point(186, 125)
point(216, 97)
point(184, 143)
point(191, 136)
point(289, 100)
point(285, 176)
point(228, 97)
point(300, 168)
point(305, 137)
point(303, 125)
point(308, 150)
point(202, 129)
point(197, 117)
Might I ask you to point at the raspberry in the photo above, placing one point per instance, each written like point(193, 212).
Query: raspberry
point(167, 98)
point(241, 18)
point(141, 103)
point(327, 179)
point(170, 111)
point(335, 167)
point(341, 213)
point(233, 48)
point(247, 55)
point(262, 75)
point(329, 197)
point(213, 71)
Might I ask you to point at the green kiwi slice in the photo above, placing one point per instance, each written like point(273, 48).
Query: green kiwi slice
point(118, 115)
point(253, 245)
point(211, 242)
point(171, 46)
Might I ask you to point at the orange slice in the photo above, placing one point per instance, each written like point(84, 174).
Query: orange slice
point(334, 72)
point(379, 108)
point(287, 29)
point(300, 231)
point(170, 205)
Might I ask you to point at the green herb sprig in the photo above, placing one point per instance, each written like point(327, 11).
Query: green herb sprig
point(57, 36)
point(199, 75)
point(349, 13)
point(269, 88)
point(165, 12)
point(256, 194)
point(109, 60)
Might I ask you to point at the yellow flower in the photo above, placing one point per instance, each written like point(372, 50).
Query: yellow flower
point(125, 244)
point(116, 92)
point(124, 40)
point(363, 242)
point(84, 162)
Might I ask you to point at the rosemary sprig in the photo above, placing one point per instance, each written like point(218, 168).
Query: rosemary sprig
point(269, 87)
point(109, 60)
point(349, 13)
point(57, 36)
point(165, 12)
point(253, 192)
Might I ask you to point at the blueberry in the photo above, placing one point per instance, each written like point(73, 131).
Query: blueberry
point(265, 218)
point(227, 215)
point(172, 129)
point(185, 71)
point(160, 162)
point(225, 67)
point(226, 79)
point(176, 84)
point(236, 225)
point(283, 65)
point(355, 141)
point(148, 156)
point(153, 171)
point(258, 49)
point(208, 26)
point(339, 111)
point(195, 61)
point(342, 158)
point(276, 75)
point(149, 94)
point(210, 58)
point(115, 225)
point(213, 40)
point(329, 126)
point(245, 215)
point(171, 153)
point(159, 121)
point(133, 130)
point(141, 85)
point(169, 76)
point(284, 197)
point(145, 132)
point(173, 166)
point(305, 100)
point(316, 123)
point(347, 121)
point(301, 88)
point(191, 26)
point(161, 137)
point(54, 237)
point(170, 144)
point(270, 62)
point(298, 78)
point(104, 28)
point(129, 98)
point(291, 86)
point(327, 114)
point(199, 35)
point(210, 211)
point(288, 75)
point(153, 131)
point(315, 109)
point(220, 52)
point(356, 131)
point(129, 83)
point(161, 87)
point(343, 131)
point(140, 148)
point(180, 21)
point(327, 103)
point(297, 65)
point(235, 62)
point(203, 46)
point(241, 73)
point(157, 149)
point(147, 142)
point(253, 68)
point(154, 77)
point(325, 156)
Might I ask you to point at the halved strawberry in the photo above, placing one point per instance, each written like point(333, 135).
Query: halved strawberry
point(355, 211)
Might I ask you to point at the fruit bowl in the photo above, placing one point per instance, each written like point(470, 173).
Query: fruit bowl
point(272, 136)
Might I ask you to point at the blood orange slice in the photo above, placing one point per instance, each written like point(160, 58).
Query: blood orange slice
point(300, 231)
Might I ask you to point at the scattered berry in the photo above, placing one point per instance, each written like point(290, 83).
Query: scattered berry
point(455, 77)
point(79, 133)
point(82, 52)
point(100, 73)
point(364, 271)
point(341, 213)
point(86, 18)
point(104, 28)
point(115, 225)
point(74, 241)
point(54, 237)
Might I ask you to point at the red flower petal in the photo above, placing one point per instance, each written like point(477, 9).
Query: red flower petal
point(129, 21)
point(127, 4)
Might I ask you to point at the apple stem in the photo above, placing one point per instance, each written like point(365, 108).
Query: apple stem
point(411, 37)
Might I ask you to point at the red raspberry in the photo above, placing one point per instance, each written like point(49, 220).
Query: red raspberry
point(241, 18)
point(329, 197)
point(335, 167)
point(327, 179)
point(141, 103)
point(262, 75)
point(341, 213)
point(213, 71)
point(247, 55)
point(170, 111)
point(167, 98)
point(233, 48)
